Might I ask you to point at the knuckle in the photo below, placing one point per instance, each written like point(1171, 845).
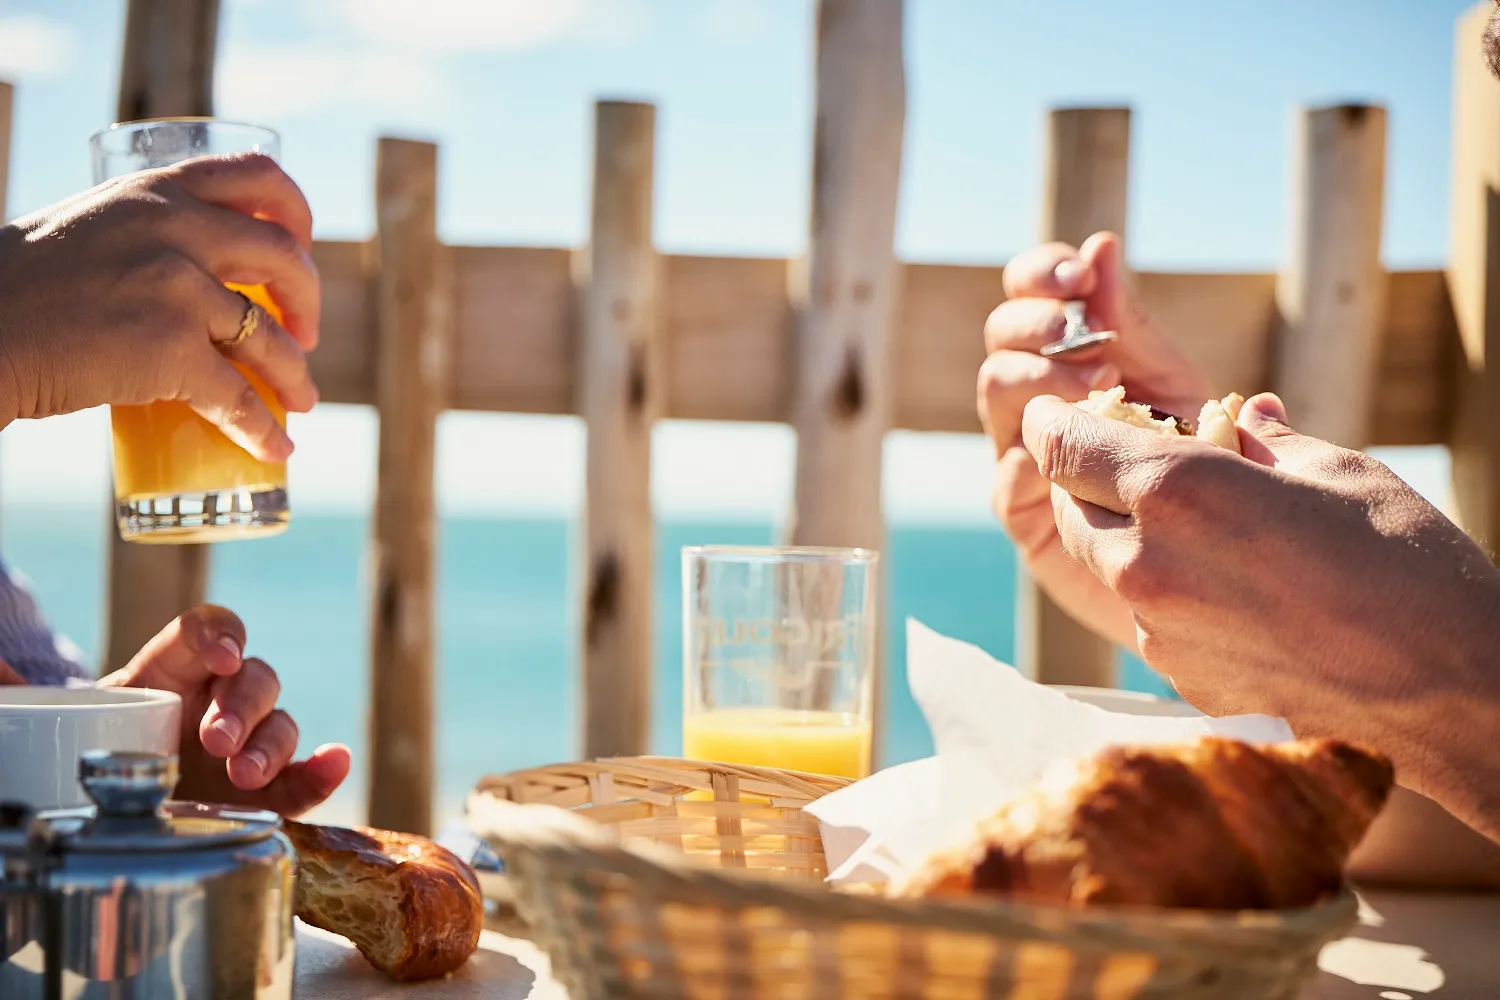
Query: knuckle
point(1138, 578)
point(280, 242)
point(288, 727)
point(1179, 485)
point(244, 407)
point(1058, 448)
point(1341, 463)
point(265, 674)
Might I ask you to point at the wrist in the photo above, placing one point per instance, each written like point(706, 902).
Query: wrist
point(1448, 739)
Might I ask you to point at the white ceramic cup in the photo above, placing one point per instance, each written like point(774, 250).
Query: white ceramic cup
point(44, 730)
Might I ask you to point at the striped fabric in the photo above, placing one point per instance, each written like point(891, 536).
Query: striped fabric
point(28, 643)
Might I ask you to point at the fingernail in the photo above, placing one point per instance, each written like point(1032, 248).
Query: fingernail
point(1270, 407)
point(230, 727)
point(232, 644)
point(1068, 272)
point(256, 759)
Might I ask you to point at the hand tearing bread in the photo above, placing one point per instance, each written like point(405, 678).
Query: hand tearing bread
point(1215, 424)
point(1215, 824)
point(412, 908)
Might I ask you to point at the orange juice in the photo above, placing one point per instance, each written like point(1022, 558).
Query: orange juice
point(165, 450)
point(816, 742)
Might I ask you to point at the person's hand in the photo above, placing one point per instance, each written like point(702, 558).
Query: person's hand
point(117, 296)
point(1037, 282)
point(1302, 580)
point(236, 746)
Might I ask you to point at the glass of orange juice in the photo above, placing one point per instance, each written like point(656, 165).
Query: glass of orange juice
point(779, 657)
point(178, 479)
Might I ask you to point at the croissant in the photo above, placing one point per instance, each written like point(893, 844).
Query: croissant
point(1215, 423)
point(413, 909)
point(1213, 824)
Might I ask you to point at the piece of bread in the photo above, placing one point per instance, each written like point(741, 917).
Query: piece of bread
point(1213, 824)
point(1215, 422)
point(412, 908)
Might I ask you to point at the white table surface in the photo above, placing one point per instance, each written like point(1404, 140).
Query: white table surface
point(1407, 946)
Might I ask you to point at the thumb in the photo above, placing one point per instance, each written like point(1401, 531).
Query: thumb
point(201, 642)
point(1267, 438)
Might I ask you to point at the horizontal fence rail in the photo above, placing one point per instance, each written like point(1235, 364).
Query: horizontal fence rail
point(727, 337)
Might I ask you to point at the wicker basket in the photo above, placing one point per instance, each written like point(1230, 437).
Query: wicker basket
point(692, 880)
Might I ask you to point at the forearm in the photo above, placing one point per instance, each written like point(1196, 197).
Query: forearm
point(1453, 757)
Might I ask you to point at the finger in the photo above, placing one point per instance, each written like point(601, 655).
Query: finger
point(250, 183)
point(270, 351)
point(1008, 380)
point(306, 783)
point(220, 394)
point(1271, 441)
point(240, 703)
point(1024, 325)
point(267, 750)
point(245, 250)
point(1049, 271)
point(1105, 462)
point(203, 641)
point(1091, 535)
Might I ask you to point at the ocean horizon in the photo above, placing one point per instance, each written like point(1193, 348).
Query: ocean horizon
point(507, 629)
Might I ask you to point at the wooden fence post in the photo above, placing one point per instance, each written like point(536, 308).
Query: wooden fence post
point(844, 295)
point(620, 385)
point(413, 320)
point(1088, 164)
point(1474, 282)
point(1331, 293)
point(167, 70)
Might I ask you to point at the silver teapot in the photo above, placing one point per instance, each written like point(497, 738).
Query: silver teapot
point(138, 898)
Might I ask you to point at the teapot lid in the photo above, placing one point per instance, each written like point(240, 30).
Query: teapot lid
point(131, 811)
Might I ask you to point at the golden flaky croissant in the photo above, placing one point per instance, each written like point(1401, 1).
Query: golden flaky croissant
point(1215, 422)
point(412, 908)
point(1212, 824)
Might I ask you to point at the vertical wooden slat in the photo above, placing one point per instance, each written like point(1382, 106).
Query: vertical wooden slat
point(1331, 291)
point(620, 383)
point(413, 320)
point(7, 119)
point(1088, 164)
point(844, 294)
point(167, 70)
point(1474, 281)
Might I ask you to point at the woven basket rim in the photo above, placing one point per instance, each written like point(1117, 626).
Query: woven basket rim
point(563, 840)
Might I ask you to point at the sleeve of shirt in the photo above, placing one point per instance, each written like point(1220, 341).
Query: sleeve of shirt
point(28, 643)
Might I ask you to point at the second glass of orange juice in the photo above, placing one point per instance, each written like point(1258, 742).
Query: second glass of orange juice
point(177, 477)
point(778, 653)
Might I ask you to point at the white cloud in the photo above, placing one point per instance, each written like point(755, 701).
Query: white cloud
point(33, 45)
point(464, 25)
point(271, 83)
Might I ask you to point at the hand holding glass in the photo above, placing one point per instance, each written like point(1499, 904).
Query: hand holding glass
point(177, 477)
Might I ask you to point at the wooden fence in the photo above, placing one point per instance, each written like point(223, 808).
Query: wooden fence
point(844, 344)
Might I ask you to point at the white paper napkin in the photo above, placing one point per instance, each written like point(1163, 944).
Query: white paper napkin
point(994, 732)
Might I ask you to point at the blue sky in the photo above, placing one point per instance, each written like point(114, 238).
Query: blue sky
point(506, 86)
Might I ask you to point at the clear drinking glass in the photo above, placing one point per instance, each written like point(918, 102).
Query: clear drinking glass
point(177, 477)
point(779, 657)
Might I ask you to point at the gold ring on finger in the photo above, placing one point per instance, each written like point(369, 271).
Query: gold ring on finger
point(249, 323)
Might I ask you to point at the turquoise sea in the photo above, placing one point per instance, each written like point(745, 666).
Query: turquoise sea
point(508, 657)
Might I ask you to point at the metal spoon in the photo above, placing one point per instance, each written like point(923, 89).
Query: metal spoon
point(1076, 334)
